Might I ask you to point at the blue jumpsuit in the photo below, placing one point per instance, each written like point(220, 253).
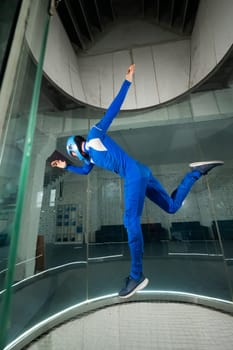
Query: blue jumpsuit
point(138, 179)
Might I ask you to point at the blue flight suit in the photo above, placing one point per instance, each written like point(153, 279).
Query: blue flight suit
point(138, 179)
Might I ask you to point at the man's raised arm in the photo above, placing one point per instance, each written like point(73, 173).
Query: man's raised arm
point(116, 104)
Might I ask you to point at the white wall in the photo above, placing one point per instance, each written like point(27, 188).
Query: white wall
point(155, 80)
point(212, 37)
point(167, 65)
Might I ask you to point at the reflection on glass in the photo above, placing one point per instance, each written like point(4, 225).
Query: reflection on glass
point(186, 252)
point(16, 127)
point(12, 156)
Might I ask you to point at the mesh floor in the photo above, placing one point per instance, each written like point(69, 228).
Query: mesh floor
point(143, 325)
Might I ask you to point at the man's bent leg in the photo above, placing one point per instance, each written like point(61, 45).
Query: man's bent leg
point(184, 188)
point(157, 194)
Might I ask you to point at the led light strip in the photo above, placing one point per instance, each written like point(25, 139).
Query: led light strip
point(23, 262)
point(105, 257)
point(39, 274)
point(197, 254)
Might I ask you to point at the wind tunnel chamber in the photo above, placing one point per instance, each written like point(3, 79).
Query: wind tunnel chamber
point(72, 255)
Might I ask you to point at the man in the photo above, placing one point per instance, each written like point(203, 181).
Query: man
point(99, 149)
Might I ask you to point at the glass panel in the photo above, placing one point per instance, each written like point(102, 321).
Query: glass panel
point(107, 244)
point(192, 260)
point(47, 298)
point(220, 187)
point(182, 253)
point(53, 260)
point(13, 149)
point(62, 224)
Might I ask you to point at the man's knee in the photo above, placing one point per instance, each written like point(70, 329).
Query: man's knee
point(172, 208)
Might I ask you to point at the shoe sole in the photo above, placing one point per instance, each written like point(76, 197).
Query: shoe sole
point(192, 165)
point(141, 286)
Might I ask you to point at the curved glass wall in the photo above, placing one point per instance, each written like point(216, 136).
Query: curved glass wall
point(72, 244)
point(16, 153)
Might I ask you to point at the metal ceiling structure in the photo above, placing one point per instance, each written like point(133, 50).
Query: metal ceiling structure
point(84, 20)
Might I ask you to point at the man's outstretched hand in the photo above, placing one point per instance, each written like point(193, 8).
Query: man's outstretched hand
point(58, 163)
point(130, 73)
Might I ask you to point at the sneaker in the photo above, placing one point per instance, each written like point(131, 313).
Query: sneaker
point(205, 167)
point(132, 286)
